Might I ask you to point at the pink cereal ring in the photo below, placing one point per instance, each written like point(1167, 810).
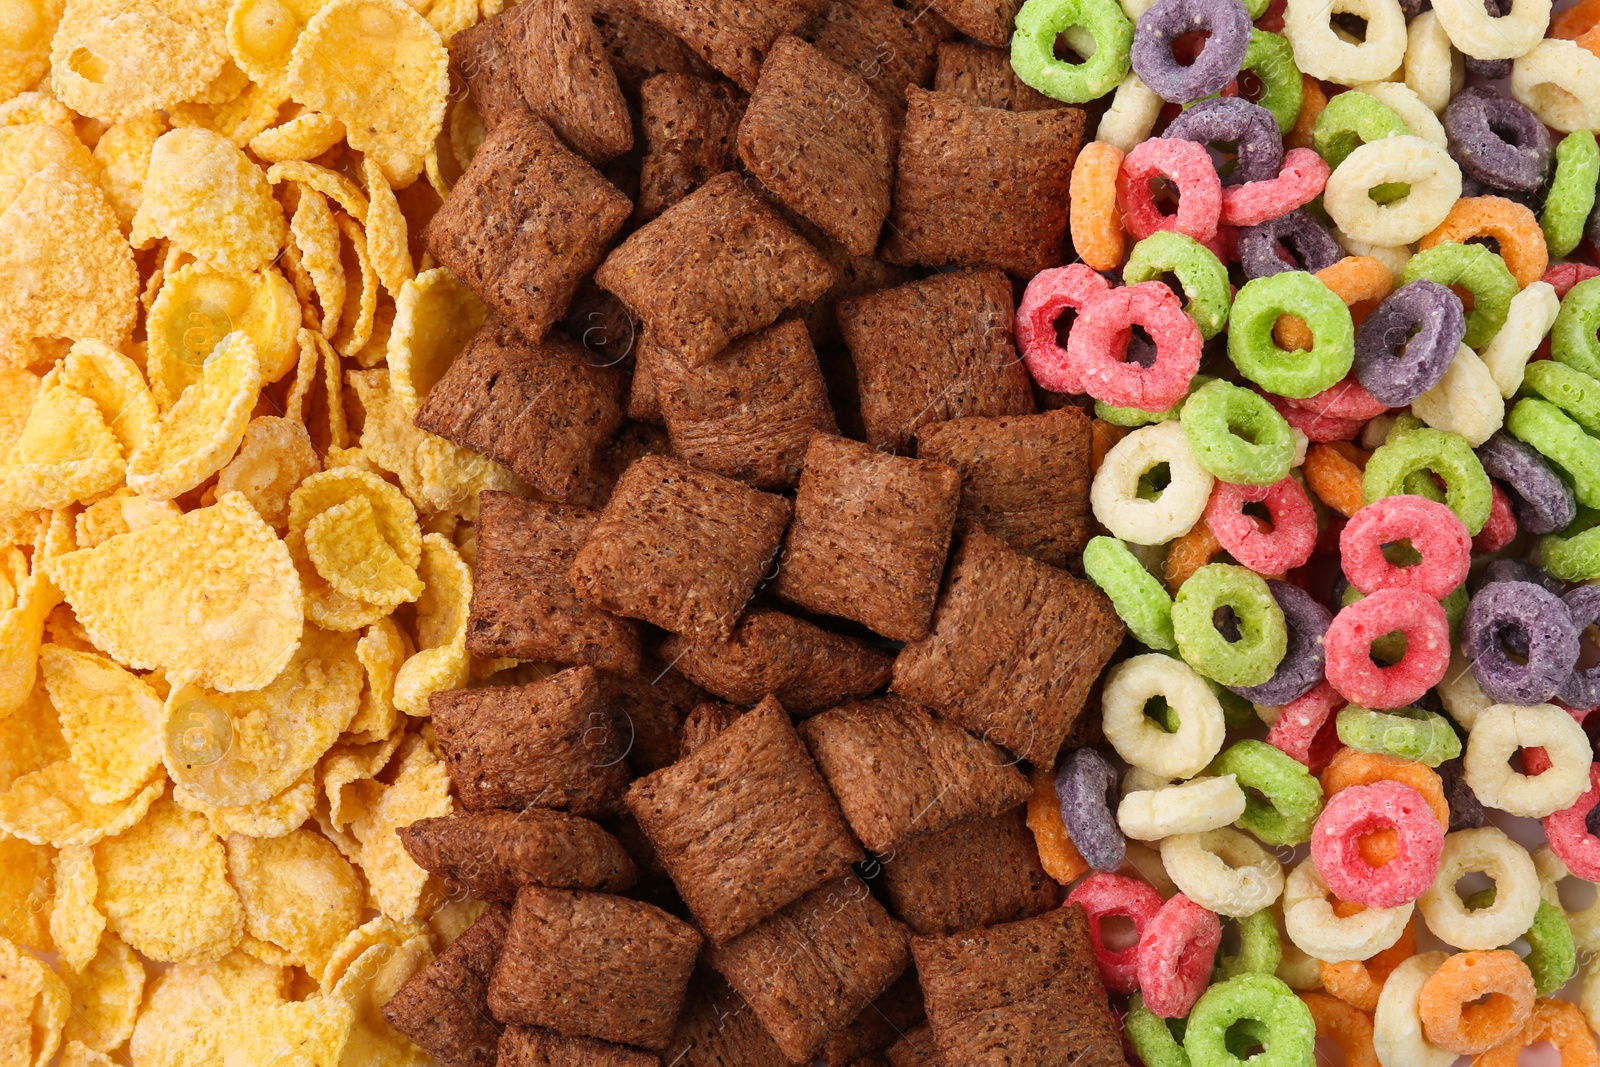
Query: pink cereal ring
point(1568, 831)
point(1563, 276)
point(1305, 728)
point(1353, 813)
point(1098, 345)
point(1434, 531)
point(1348, 399)
point(1176, 952)
point(1297, 184)
point(1188, 166)
point(1316, 427)
point(1287, 544)
point(1501, 529)
point(1348, 645)
point(1103, 895)
point(1050, 293)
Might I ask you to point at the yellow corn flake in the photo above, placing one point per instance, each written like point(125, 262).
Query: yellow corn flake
point(441, 659)
point(420, 790)
point(324, 605)
point(212, 595)
point(190, 1008)
point(77, 1054)
point(366, 986)
point(379, 930)
point(34, 106)
point(52, 806)
point(197, 307)
point(114, 383)
point(26, 148)
point(274, 459)
point(348, 775)
point(19, 388)
point(306, 136)
point(381, 650)
point(387, 244)
point(450, 17)
point(26, 56)
point(105, 996)
point(330, 183)
point(348, 550)
point(273, 817)
point(435, 317)
point(201, 432)
point(261, 36)
point(110, 718)
point(76, 924)
point(100, 56)
point(66, 453)
point(30, 736)
point(316, 235)
point(33, 1009)
point(393, 513)
point(229, 83)
point(122, 512)
point(312, 1032)
point(206, 196)
point(298, 892)
point(62, 628)
point(65, 268)
point(239, 118)
point(316, 400)
point(454, 918)
point(360, 302)
point(27, 872)
point(377, 347)
point(123, 153)
point(381, 69)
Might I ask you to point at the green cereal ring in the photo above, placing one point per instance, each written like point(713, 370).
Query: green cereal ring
point(1351, 120)
point(1405, 733)
point(1237, 712)
point(1260, 950)
point(1561, 441)
point(1573, 555)
point(1135, 593)
point(1282, 797)
point(1455, 609)
point(1271, 58)
point(1573, 391)
point(1133, 418)
point(1446, 455)
point(1572, 192)
point(1552, 956)
point(1152, 1036)
point(1403, 423)
point(1237, 435)
point(1033, 56)
point(1263, 634)
point(1575, 337)
point(1199, 271)
point(1296, 375)
point(1291, 1034)
point(1481, 272)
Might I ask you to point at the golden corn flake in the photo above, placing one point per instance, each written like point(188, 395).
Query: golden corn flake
point(76, 924)
point(25, 55)
point(360, 301)
point(261, 36)
point(52, 806)
point(24, 706)
point(316, 235)
point(77, 1054)
point(395, 516)
point(122, 512)
point(207, 197)
point(212, 595)
point(33, 1009)
point(105, 996)
point(454, 918)
point(66, 453)
point(238, 119)
point(387, 245)
point(330, 183)
point(273, 817)
point(420, 790)
point(298, 892)
point(381, 650)
point(313, 1032)
point(100, 57)
point(377, 347)
point(189, 1008)
point(435, 316)
point(316, 400)
point(348, 550)
point(123, 153)
point(29, 147)
point(450, 17)
point(62, 628)
point(306, 136)
point(197, 307)
point(274, 459)
point(110, 718)
point(348, 775)
point(366, 986)
point(441, 659)
point(26, 875)
point(324, 605)
point(30, 736)
point(114, 383)
point(201, 432)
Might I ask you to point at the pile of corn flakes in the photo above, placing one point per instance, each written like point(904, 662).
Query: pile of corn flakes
point(231, 568)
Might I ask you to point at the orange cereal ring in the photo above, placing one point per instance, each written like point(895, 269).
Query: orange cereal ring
point(1591, 41)
point(1508, 222)
point(1559, 1022)
point(1360, 281)
point(1188, 554)
point(1335, 476)
point(1311, 105)
point(1057, 855)
point(1348, 1028)
point(1096, 219)
point(1453, 1020)
point(1358, 982)
point(1349, 767)
point(1103, 435)
point(1575, 21)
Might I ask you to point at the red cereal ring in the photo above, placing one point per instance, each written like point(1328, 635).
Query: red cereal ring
point(1353, 813)
point(1348, 399)
point(1176, 952)
point(1287, 544)
point(1103, 895)
point(1563, 276)
point(1568, 830)
point(1348, 644)
point(1501, 528)
point(1299, 181)
point(1188, 166)
point(1305, 728)
point(1316, 427)
point(1098, 346)
point(1434, 531)
point(1050, 293)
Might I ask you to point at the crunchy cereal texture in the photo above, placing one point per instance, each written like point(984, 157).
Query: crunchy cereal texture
point(935, 349)
point(526, 223)
point(983, 76)
point(529, 1046)
point(731, 35)
point(1023, 992)
point(888, 45)
point(1015, 648)
point(982, 871)
point(990, 21)
point(1024, 479)
point(715, 266)
point(879, 1025)
point(593, 965)
point(745, 824)
point(492, 854)
point(679, 547)
point(915, 1048)
point(482, 55)
point(704, 723)
point(870, 536)
point(560, 63)
point(616, 455)
point(690, 130)
point(649, 708)
point(640, 49)
point(978, 186)
point(821, 143)
point(444, 1008)
point(852, 276)
point(718, 1029)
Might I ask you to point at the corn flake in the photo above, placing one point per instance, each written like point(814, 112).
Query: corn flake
point(110, 718)
point(76, 924)
point(441, 659)
point(454, 918)
point(122, 512)
point(316, 235)
point(105, 996)
point(33, 1009)
point(379, 930)
point(366, 986)
point(360, 302)
point(26, 875)
point(348, 775)
point(274, 459)
point(187, 1014)
point(306, 136)
point(197, 307)
point(26, 57)
point(114, 383)
point(123, 153)
point(298, 892)
point(330, 183)
point(466, 131)
point(26, 148)
point(395, 516)
point(435, 317)
point(18, 389)
point(387, 244)
point(30, 736)
point(207, 197)
point(273, 817)
point(34, 106)
point(381, 650)
point(52, 806)
point(100, 56)
point(66, 453)
point(201, 432)
point(261, 36)
point(348, 550)
point(420, 790)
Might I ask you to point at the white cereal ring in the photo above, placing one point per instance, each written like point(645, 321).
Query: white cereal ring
point(1131, 116)
point(1465, 402)
point(1559, 82)
point(1310, 921)
point(1500, 731)
point(1435, 182)
point(1397, 1035)
point(1223, 870)
point(1434, 70)
point(1320, 52)
point(1139, 739)
point(1190, 808)
point(1114, 494)
point(1481, 35)
point(1530, 316)
point(1516, 896)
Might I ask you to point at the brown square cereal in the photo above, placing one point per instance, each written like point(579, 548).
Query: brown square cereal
point(704, 723)
point(745, 824)
point(879, 1024)
point(444, 1008)
point(551, 744)
point(990, 21)
point(640, 49)
point(691, 127)
point(978, 186)
point(983, 76)
point(870, 536)
point(602, 326)
point(480, 54)
point(635, 439)
point(750, 412)
point(821, 142)
point(897, 771)
point(914, 1049)
point(718, 1029)
point(492, 854)
point(1024, 479)
point(933, 350)
point(715, 266)
point(1027, 992)
point(679, 547)
point(649, 708)
point(732, 35)
point(774, 654)
point(888, 45)
point(526, 223)
point(593, 965)
point(1015, 648)
point(523, 605)
point(532, 1046)
point(852, 276)
point(976, 873)
point(561, 65)
point(644, 398)
point(814, 966)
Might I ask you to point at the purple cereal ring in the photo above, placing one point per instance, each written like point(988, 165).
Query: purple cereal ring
point(1491, 69)
point(1552, 649)
point(1220, 59)
point(1466, 810)
point(1544, 502)
point(1581, 689)
point(1517, 569)
point(1302, 665)
point(1085, 785)
point(1231, 119)
point(1412, 8)
point(1407, 343)
point(1497, 140)
point(1471, 187)
point(1273, 246)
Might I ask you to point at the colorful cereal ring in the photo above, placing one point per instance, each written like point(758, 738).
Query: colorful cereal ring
point(1333, 471)
point(1349, 640)
point(1544, 502)
point(1291, 1032)
point(1256, 309)
point(1478, 270)
point(1085, 783)
point(1095, 219)
point(1405, 733)
point(1301, 668)
point(1188, 167)
point(1260, 948)
point(1568, 832)
point(1304, 730)
point(1450, 1018)
point(1355, 812)
point(1446, 456)
point(1097, 347)
point(1040, 22)
point(1286, 545)
point(1151, 1036)
point(1575, 337)
point(1262, 634)
point(1490, 851)
point(1514, 228)
point(1290, 798)
point(1201, 274)
point(1176, 952)
point(1348, 1028)
point(1432, 529)
point(1051, 293)
point(1535, 616)
point(1559, 1022)
point(1135, 593)
point(1103, 895)
point(1351, 120)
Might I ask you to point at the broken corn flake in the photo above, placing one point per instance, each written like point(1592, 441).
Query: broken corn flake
point(299, 894)
point(197, 307)
point(33, 1008)
point(113, 381)
point(207, 197)
point(306, 136)
point(66, 453)
point(435, 317)
point(52, 807)
point(394, 514)
point(361, 300)
point(348, 774)
point(76, 924)
point(330, 183)
point(110, 718)
point(26, 148)
point(261, 36)
point(26, 889)
point(381, 650)
point(105, 994)
point(277, 815)
point(441, 661)
point(122, 512)
point(387, 246)
point(349, 551)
